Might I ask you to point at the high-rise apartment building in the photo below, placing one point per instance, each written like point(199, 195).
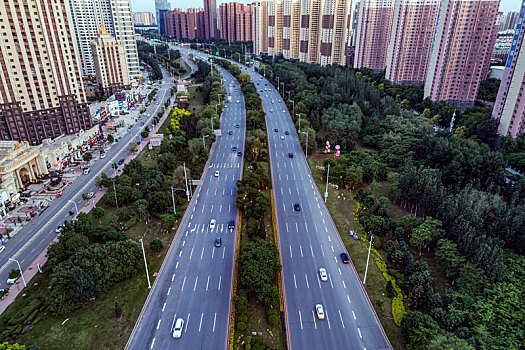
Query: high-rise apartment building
point(509, 20)
point(235, 21)
point(290, 30)
point(185, 25)
point(310, 30)
point(163, 22)
point(210, 19)
point(374, 24)
point(161, 5)
point(275, 28)
point(335, 31)
point(260, 27)
point(509, 108)
point(109, 57)
point(144, 18)
point(41, 90)
point(461, 50)
point(116, 17)
point(412, 34)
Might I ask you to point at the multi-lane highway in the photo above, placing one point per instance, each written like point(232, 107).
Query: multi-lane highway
point(34, 238)
point(308, 241)
point(196, 278)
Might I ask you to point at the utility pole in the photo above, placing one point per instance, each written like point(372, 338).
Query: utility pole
point(20, 269)
point(326, 190)
point(115, 191)
point(145, 262)
point(306, 144)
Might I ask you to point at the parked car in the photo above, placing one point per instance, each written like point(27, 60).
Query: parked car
point(59, 194)
point(90, 195)
point(121, 161)
point(102, 155)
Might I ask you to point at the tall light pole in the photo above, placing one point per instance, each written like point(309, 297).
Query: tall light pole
point(20, 269)
point(145, 262)
point(115, 191)
point(299, 117)
point(368, 258)
point(326, 190)
point(282, 83)
point(306, 143)
point(203, 142)
point(76, 208)
point(212, 120)
point(186, 178)
point(173, 200)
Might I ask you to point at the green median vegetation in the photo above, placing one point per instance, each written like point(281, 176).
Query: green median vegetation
point(258, 259)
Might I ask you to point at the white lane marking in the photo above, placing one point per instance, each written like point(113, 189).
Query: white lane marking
point(313, 315)
point(301, 248)
point(294, 281)
point(318, 281)
point(360, 335)
point(353, 314)
point(341, 318)
point(348, 297)
point(191, 254)
point(191, 217)
point(183, 243)
point(315, 225)
point(180, 253)
point(312, 251)
point(223, 251)
point(284, 207)
point(318, 206)
point(331, 283)
point(305, 225)
point(296, 227)
point(152, 343)
point(200, 323)
point(306, 277)
point(183, 282)
point(229, 208)
point(207, 282)
point(322, 250)
point(290, 190)
point(220, 279)
point(203, 208)
point(282, 191)
point(344, 284)
point(172, 277)
point(329, 240)
point(339, 269)
point(212, 253)
point(214, 318)
point(324, 222)
point(335, 259)
point(187, 323)
point(158, 324)
point(202, 252)
point(327, 319)
point(300, 319)
point(220, 209)
point(286, 227)
point(176, 265)
point(211, 211)
point(291, 255)
point(332, 248)
point(163, 307)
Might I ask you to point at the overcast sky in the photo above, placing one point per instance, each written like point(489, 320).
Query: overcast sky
point(149, 5)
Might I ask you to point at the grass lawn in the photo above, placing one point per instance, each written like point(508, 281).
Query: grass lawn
point(341, 205)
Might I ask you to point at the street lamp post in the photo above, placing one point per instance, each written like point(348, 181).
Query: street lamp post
point(326, 190)
point(212, 119)
point(19, 268)
point(203, 142)
point(282, 83)
point(186, 178)
point(306, 143)
point(76, 208)
point(299, 117)
point(368, 258)
point(145, 262)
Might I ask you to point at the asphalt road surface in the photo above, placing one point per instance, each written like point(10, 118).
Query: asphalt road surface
point(196, 278)
point(308, 241)
point(36, 236)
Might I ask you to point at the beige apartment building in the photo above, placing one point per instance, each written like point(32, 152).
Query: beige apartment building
point(260, 26)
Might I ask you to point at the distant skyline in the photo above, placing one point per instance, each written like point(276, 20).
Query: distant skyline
point(149, 5)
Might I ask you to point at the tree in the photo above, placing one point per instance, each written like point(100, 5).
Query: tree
point(108, 233)
point(87, 156)
point(176, 115)
point(168, 221)
point(144, 134)
point(16, 346)
point(448, 341)
point(132, 147)
point(405, 104)
point(427, 233)
point(111, 139)
point(14, 273)
point(98, 212)
point(156, 245)
point(178, 178)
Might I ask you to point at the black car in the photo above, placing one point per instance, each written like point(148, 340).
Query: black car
point(276, 130)
point(231, 225)
point(230, 132)
point(237, 126)
point(234, 149)
point(290, 155)
point(345, 258)
point(239, 153)
point(120, 162)
point(287, 133)
point(218, 242)
point(297, 207)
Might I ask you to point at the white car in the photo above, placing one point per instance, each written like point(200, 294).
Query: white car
point(282, 137)
point(59, 229)
point(212, 224)
point(273, 101)
point(177, 330)
point(323, 275)
point(217, 173)
point(103, 155)
point(319, 311)
point(238, 101)
point(2, 248)
point(280, 101)
point(271, 110)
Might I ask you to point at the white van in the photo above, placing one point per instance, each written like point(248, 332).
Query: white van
point(86, 171)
